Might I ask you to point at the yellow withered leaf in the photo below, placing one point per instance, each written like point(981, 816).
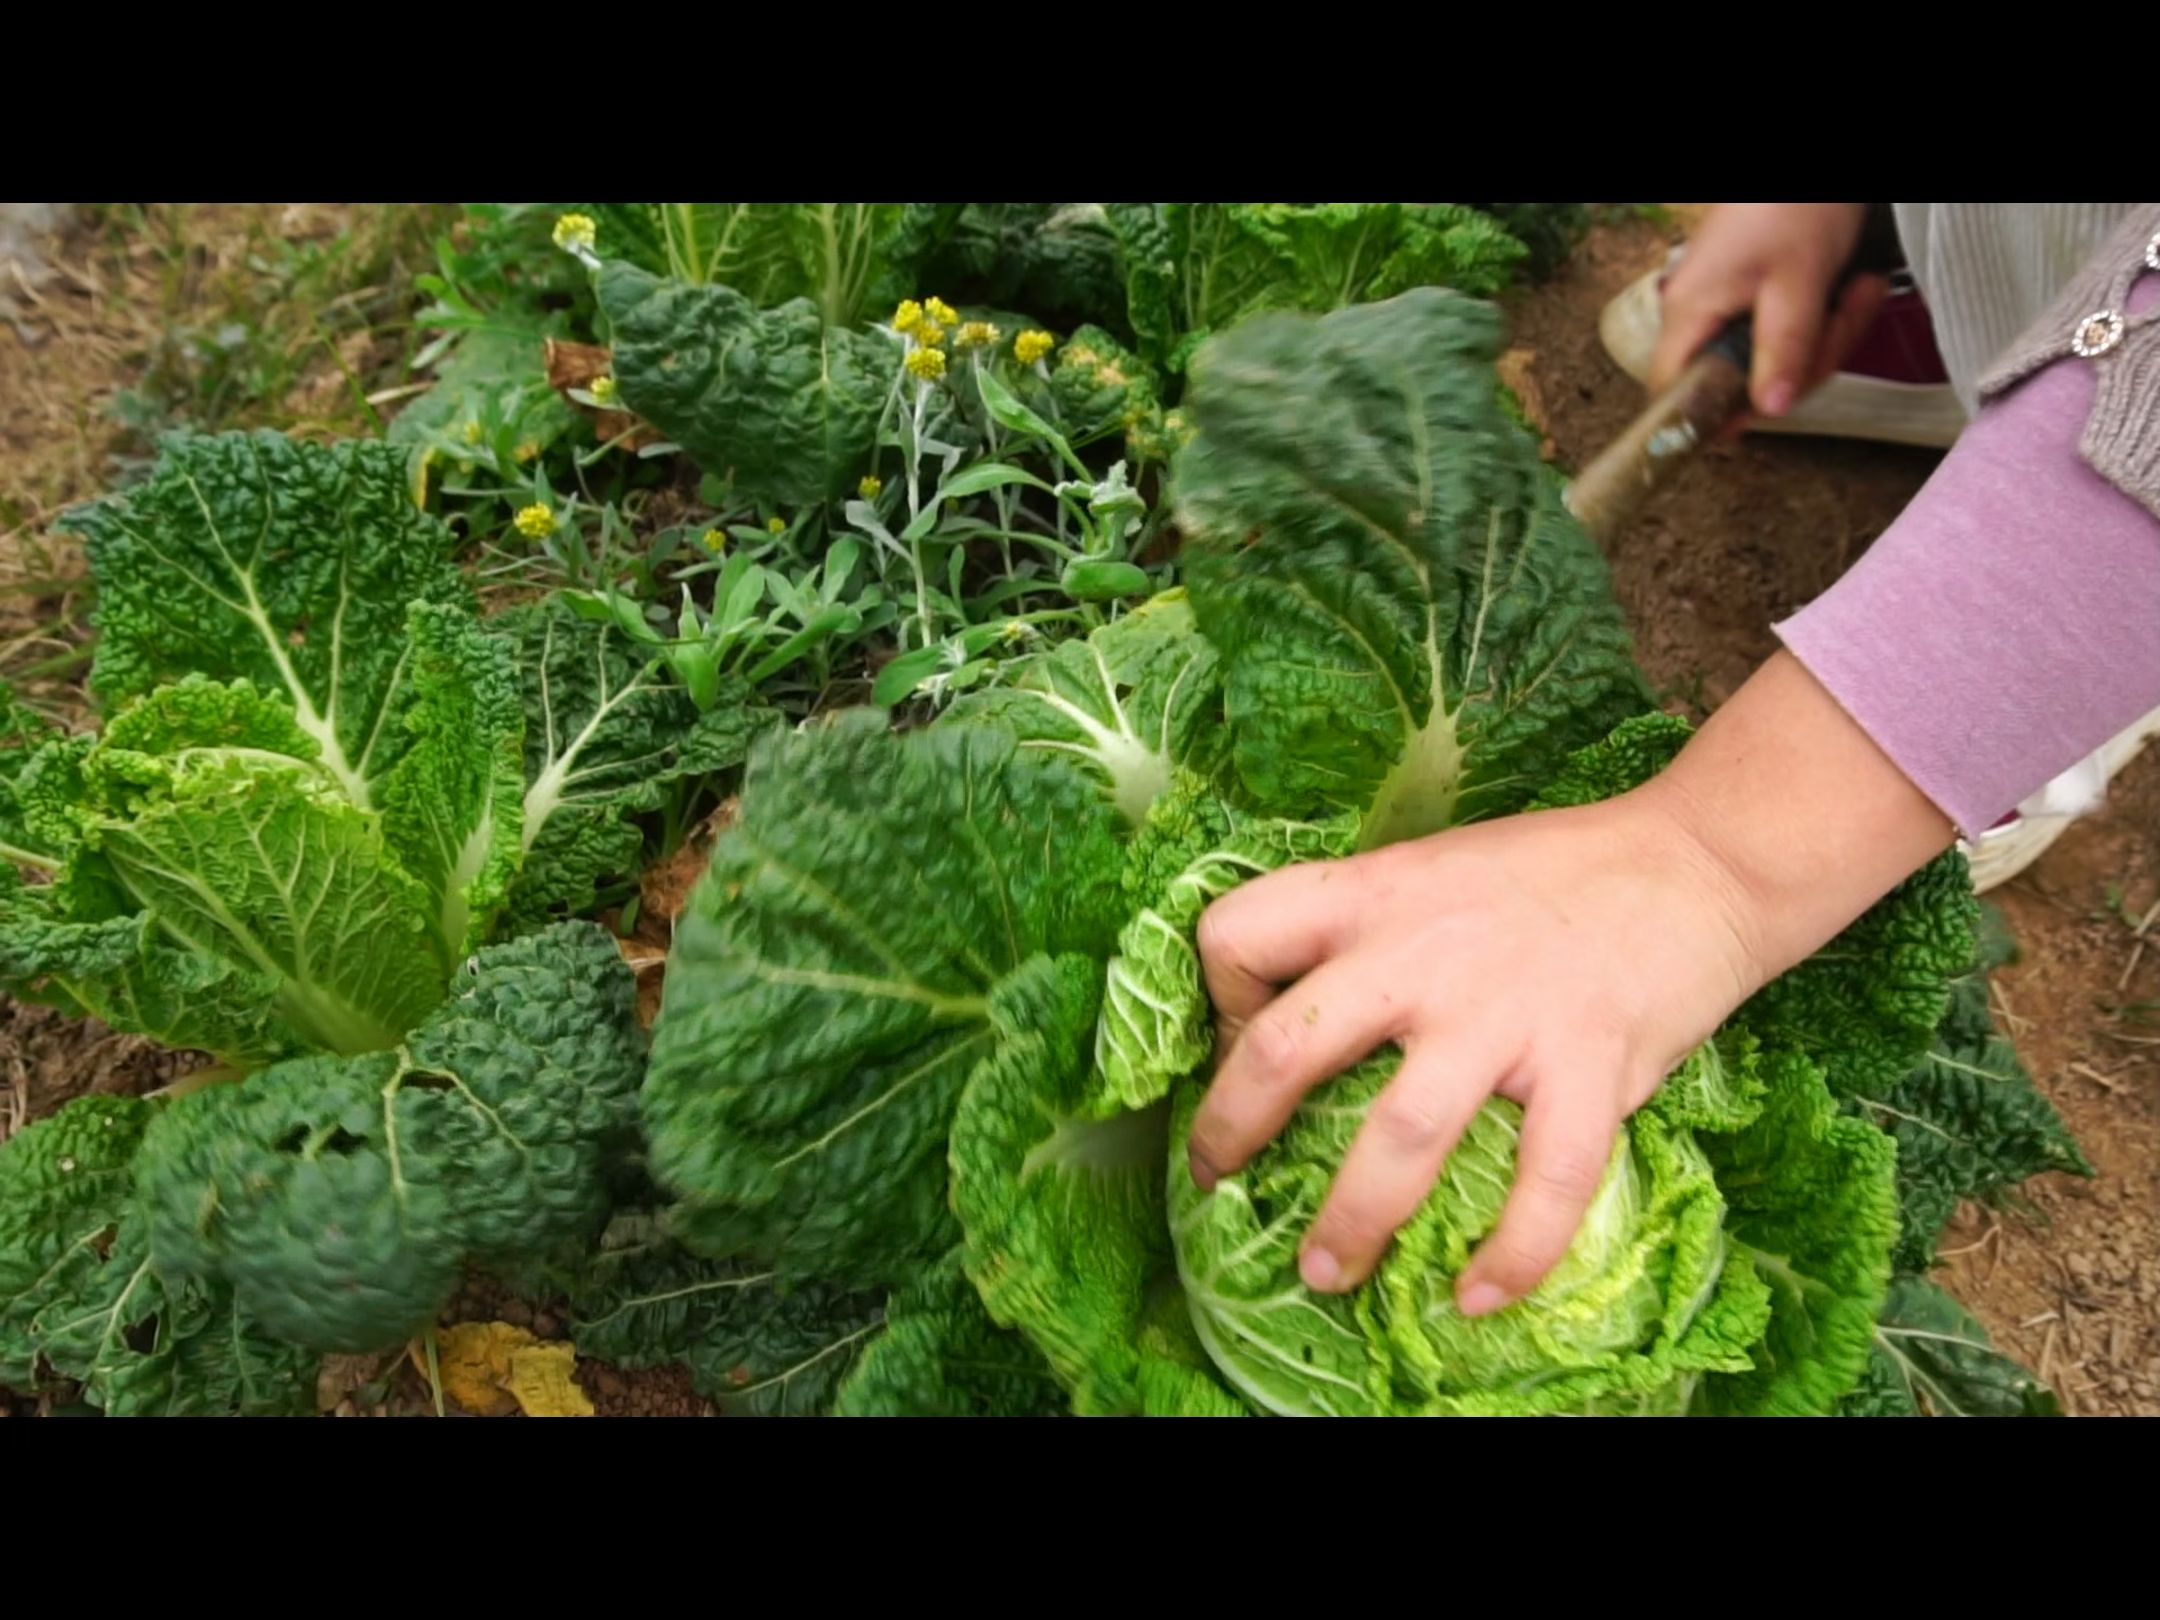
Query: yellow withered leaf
point(474, 1362)
point(492, 1369)
point(543, 1380)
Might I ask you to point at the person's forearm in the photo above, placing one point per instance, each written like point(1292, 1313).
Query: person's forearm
point(2008, 623)
point(1796, 813)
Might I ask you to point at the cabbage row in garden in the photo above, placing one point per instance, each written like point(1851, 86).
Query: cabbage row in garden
point(909, 1136)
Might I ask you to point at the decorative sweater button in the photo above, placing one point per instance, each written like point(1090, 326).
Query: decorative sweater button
point(2096, 334)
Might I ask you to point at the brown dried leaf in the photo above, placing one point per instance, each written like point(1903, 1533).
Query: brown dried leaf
point(649, 962)
point(665, 888)
point(642, 955)
point(339, 1378)
point(579, 365)
point(575, 365)
point(1516, 370)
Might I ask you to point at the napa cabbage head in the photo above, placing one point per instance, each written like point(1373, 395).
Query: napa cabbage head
point(1642, 1305)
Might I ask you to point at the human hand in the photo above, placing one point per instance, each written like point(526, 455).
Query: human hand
point(1780, 261)
point(1567, 960)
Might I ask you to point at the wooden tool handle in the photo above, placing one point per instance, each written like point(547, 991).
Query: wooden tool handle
point(1706, 399)
point(1708, 396)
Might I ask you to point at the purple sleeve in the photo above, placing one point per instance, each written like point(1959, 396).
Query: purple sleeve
point(2008, 623)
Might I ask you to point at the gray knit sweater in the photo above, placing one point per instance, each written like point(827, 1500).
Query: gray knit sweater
point(2014, 287)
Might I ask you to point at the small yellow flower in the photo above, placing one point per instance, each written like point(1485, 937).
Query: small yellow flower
point(535, 522)
point(776, 525)
point(1032, 345)
point(575, 231)
point(931, 335)
point(713, 541)
point(941, 312)
point(472, 432)
point(928, 364)
point(869, 486)
point(527, 450)
point(977, 335)
point(908, 316)
point(1015, 632)
point(603, 389)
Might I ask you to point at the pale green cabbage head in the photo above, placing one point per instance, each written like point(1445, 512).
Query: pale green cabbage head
point(1640, 1306)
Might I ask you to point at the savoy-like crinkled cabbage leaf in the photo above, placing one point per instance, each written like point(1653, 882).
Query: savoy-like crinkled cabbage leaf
point(607, 734)
point(1811, 1200)
point(1100, 389)
point(453, 807)
point(287, 563)
point(309, 808)
point(272, 870)
point(1932, 1359)
point(940, 1355)
point(1194, 847)
point(867, 935)
point(23, 732)
point(1968, 1121)
point(1059, 1193)
point(218, 885)
point(777, 401)
point(79, 1298)
point(849, 261)
point(1131, 705)
point(1194, 269)
point(1410, 623)
point(340, 1198)
point(1648, 1301)
point(751, 1344)
point(1057, 261)
point(306, 806)
point(121, 970)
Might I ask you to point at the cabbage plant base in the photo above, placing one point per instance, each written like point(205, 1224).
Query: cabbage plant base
point(326, 792)
point(941, 989)
point(80, 1299)
point(186, 1255)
